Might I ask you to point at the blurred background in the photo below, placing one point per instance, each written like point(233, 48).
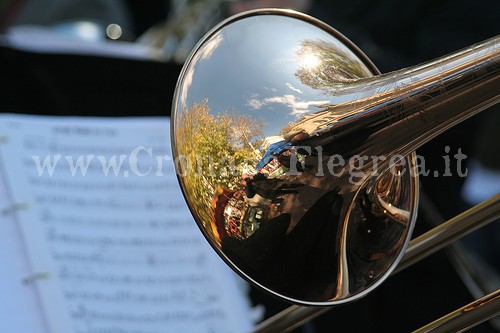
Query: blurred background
point(122, 57)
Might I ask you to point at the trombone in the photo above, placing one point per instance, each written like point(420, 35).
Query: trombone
point(296, 158)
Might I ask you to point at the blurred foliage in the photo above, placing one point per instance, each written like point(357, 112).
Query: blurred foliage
point(214, 150)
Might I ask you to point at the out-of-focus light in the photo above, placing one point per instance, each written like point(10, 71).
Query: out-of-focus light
point(114, 31)
point(85, 30)
point(88, 30)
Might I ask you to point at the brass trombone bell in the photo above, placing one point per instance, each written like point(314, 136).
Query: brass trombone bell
point(296, 156)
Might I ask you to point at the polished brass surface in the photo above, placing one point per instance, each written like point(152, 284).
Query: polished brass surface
point(295, 156)
point(418, 249)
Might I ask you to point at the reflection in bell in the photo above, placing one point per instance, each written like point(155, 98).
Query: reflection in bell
point(297, 162)
point(309, 60)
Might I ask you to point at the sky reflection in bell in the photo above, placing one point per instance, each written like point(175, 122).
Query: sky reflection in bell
point(252, 68)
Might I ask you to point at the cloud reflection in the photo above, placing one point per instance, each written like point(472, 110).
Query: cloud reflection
point(210, 46)
point(204, 53)
point(186, 84)
point(297, 90)
point(297, 106)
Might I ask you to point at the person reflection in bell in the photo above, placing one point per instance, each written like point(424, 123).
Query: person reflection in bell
point(266, 193)
point(264, 190)
point(278, 182)
point(280, 229)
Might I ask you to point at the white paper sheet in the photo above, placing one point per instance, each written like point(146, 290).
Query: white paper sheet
point(115, 247)
point(20, 309)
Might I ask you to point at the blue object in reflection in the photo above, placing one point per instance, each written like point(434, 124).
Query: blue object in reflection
point(273, 149)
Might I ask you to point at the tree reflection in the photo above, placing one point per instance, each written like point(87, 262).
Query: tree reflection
point(213, 151)
point(323, 65)
point(326, 67)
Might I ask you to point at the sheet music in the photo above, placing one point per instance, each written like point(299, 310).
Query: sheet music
point(112, 245)
point(20, 310)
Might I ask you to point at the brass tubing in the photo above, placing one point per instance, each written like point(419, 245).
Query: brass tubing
point(466, 317)
point(290, 318)
point(405, 109)
point(450, 231)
